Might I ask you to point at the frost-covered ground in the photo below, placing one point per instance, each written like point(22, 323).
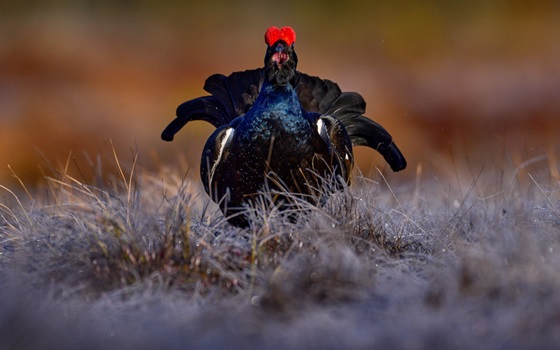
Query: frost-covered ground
point(143, 262)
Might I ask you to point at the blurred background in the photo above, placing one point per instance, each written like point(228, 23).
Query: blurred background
point(452, 81)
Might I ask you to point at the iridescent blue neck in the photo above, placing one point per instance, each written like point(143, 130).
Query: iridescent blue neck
point(282, 98)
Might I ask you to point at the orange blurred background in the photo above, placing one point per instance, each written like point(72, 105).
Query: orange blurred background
point(476, 81)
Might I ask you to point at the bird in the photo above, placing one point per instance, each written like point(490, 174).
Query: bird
point(279, 130)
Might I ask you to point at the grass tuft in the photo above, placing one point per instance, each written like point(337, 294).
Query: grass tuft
point(144, 259)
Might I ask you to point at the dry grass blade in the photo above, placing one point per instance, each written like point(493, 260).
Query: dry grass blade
point(552, 205)
point(21, 206)
point(371, 257)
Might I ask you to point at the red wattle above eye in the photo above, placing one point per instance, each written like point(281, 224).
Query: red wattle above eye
point(273, 34)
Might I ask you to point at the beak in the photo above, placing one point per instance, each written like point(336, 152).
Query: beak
point(280, 56)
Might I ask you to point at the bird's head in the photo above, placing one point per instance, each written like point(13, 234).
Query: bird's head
point(280, 61)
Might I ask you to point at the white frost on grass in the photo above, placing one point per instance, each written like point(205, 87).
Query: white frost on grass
point(148, 262)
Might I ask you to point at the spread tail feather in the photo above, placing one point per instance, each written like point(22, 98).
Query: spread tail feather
point(207, 108)
point(365, 132)
point(238, 91)
point(349, 109)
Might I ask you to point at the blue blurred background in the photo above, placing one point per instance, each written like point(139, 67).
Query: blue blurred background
point(476, 80)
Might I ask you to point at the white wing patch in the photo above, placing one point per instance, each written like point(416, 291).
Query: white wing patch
point(319, 126)
point(225, 141)
point(322, 130)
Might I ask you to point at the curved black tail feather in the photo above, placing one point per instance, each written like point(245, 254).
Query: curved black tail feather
point(238, 91)
point(349, 108)
point(231, 97)
point(207, 108)
point(365, 132)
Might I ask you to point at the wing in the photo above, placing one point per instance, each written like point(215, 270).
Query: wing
point(216, 149)
point(334, 133)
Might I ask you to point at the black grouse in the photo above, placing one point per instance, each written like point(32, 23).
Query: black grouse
point(279, 130)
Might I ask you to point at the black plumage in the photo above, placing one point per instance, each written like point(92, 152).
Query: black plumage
point(278, 129)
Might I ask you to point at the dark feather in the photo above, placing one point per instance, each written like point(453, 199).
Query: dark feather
point(365, 132)
point(316, 94)
point(243, 88)
point(214, 84)
point(207, 108)
point(349, 107)
point(232, 96)
point(238, 91)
